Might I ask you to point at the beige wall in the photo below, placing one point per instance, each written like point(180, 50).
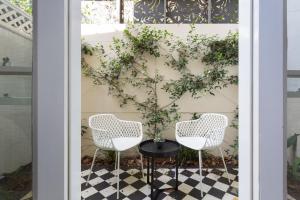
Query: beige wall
point(95, 99)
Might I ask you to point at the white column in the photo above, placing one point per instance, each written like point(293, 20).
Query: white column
point(245, 100)
point(50, 100)
point(74, 99)
point(269, 97)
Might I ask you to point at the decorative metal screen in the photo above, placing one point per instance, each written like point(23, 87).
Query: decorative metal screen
point(185, 11)
point(161, 11)
point(149, 12)
point(225, 11)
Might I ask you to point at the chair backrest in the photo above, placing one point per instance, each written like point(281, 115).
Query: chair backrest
point(214, 124)
point(209, 125)
point(214, 120)
point(106, 122)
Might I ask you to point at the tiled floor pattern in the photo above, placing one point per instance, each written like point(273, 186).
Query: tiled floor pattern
point(102, 185)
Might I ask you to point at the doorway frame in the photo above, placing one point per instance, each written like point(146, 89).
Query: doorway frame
point(262, 105)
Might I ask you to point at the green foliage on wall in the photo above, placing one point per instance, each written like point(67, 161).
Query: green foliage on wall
point(235, 124)
point(126, 64)
point(222, 51)
point(294, 165)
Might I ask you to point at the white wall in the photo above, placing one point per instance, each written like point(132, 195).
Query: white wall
point(15, 119)
point(95, 99)
point(16, 47)
point(15, 138)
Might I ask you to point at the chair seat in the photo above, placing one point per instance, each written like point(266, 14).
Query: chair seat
point(119, 144)
point(196, 143)
point(125, 143)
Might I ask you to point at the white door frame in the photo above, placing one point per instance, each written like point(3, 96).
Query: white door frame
point(50, 99)
point(75, 99)
point(56, 76)
point(269, 99)
point(262, 97)
point(245, 99)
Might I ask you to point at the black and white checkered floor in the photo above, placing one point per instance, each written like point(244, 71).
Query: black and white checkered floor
point(102, 184)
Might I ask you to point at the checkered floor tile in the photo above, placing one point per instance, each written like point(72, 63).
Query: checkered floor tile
point(102, 184)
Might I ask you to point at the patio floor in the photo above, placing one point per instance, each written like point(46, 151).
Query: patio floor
point(102, 184)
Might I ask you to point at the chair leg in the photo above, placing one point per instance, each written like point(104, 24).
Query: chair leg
point(118, 177)
point(200, 172)
point(220, 149)
point(142, 165)
point(116, 164)
point(116, 160)
point(95, 154)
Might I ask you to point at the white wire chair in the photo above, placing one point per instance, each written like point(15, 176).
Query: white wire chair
point(207, 132)
point(113, 134)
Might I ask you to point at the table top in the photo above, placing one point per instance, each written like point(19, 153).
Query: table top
point(168, 148)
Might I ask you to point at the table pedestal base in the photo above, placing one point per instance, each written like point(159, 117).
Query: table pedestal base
point(155, 192)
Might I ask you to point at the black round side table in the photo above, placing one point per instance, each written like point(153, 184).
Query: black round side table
point(151, 150)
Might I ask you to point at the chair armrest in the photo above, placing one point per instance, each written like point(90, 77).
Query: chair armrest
point(99, 134)
point(215, 134)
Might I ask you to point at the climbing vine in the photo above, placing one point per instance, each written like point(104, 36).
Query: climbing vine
point(125, 64)
point(235, 145)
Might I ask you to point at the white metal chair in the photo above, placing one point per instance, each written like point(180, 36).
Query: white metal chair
point(207, 132)
point(113, 134)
